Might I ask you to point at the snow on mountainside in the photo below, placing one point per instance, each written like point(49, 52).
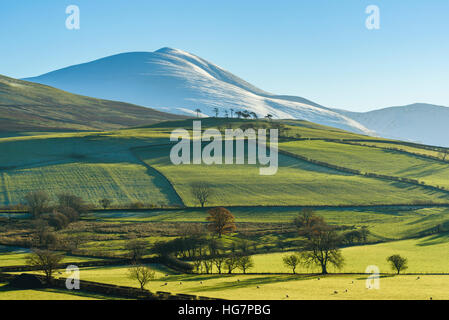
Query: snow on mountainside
point(175, 81)
point(419, 122)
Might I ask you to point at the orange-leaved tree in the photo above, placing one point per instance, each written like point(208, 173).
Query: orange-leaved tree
point(221, 221)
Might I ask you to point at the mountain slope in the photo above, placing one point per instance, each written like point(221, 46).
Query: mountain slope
point(30, 106)
point(420, 122)
point(176, 81)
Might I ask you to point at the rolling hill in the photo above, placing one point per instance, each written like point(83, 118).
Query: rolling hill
point(420, 122)
point(318, 166)
point(27, 106)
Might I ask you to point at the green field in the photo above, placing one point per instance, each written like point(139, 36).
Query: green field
point(19, 259)
point(45, 294)
point(374, 160)
point(277, 287)
point(425, 255)
point(296, 183)
point(133, 165)
point(384, 223)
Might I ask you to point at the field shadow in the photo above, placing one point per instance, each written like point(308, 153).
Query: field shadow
point(256, 282)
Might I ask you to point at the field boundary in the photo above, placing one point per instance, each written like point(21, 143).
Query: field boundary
point(364, 174)
point(146, 165)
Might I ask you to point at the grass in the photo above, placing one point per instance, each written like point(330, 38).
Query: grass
point(296, 183)
point(277, 287)
point(425, 255)
point(123, 182)
point(7, 293)
point(366, 159)
point(19, 259)
point(27, 106)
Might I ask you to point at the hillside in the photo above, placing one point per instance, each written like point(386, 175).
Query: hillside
point(318, 166)
point(26, 106)
point(176, 81)
point(420, 122)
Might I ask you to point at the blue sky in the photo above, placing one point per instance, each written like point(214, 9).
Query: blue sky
point(318, 49)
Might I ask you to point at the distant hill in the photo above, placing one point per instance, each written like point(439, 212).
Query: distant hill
point(27, 106)
point(176, 81)
point(419, 122)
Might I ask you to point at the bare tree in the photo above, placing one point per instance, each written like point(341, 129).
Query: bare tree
point(398, 263)
point(43, 237)
point(219, 260)
point(216, 111)
point(201, 191)
point(198, 111)
point(142, 274)
point(231, 263)
point(321, 249)
point(136, 249)
point(37, 202)
point(46, 261)
point(105, 203)
point(244, 263)
point(444, 154)
point(292, 261)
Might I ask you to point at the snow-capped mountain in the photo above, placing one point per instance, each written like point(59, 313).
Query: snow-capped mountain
point(175, 81)
point(419, 122)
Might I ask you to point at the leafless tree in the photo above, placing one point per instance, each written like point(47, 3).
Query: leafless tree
point(244, 263)
point(136, 249)
point(46, 261)
point(37, 202)
point(292, 261)
point(321, 249)
point(201, 191)
point(142, 274)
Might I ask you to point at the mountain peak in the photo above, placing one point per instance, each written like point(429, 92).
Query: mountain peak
point(168, 50)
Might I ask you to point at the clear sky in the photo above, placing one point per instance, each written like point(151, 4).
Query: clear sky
point(317, 49)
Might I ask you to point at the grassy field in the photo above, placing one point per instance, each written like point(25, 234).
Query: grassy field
point(133, 165)
point(277, 287)
point(19, 259)
point(374, 160)
point(7, 293)
point(98, 165)
point(296, 183)
point(384, 223)
point(425, 255)
point(123, 182)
